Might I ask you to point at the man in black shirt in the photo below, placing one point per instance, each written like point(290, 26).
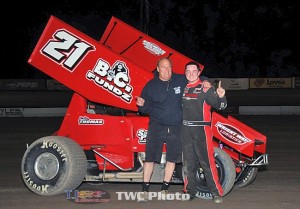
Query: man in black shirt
point(161, 100)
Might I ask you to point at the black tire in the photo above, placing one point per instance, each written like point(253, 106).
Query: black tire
point(52, 165)
point(226, 171)
point(247, 177)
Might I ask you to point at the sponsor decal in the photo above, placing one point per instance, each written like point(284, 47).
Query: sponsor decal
point(197, 90)
point(84, 120)
point(234, 82)
point(142, 134)
point(153, 48)
point(231, 133)
point(259, 81)
point(22, 84)
point(87, 196)
point(114, 79)
point(270, 82)
point(11, 112)
point(177, 90)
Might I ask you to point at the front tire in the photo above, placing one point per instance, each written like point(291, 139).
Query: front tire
point(226, 171)
point(52, 165)
point(247, 177)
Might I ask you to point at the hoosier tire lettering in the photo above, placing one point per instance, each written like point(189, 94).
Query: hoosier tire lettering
point(42, 188)
point(49, 144)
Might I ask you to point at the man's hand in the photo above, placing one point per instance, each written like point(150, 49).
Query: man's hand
point(139, 101)
point(220, 90)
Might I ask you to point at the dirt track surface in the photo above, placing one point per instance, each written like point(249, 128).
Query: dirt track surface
point(276, 187)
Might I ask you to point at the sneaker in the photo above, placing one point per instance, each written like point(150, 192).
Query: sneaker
point(143, 197)
point(164, 192)
point(191, 197)
point(217, 199)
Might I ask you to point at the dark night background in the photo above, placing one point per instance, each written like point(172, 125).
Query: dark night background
point(231, 38)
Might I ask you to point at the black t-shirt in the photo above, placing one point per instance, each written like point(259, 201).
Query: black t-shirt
point(163, 100)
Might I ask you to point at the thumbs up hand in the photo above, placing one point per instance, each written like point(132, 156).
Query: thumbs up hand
point(220, 90)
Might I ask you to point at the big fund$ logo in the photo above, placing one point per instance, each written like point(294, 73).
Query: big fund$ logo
point(114, 79)
point(231, 133)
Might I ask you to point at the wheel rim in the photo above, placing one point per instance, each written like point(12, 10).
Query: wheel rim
point(46, 166)
point(201, 178)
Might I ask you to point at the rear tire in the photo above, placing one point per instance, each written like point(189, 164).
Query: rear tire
point(226, 171)
point(52, 165)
